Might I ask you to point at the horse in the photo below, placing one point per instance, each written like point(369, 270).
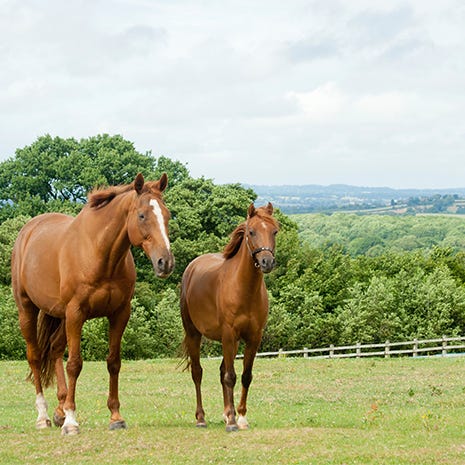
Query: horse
point(66, 270)
point(224, 298)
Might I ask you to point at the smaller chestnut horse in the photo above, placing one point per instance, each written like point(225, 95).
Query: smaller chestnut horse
point(67, 270)
point(224, 298)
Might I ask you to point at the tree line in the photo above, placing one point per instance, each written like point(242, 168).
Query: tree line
point(322, 291)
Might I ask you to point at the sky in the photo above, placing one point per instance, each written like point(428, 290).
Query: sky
point(361, 92)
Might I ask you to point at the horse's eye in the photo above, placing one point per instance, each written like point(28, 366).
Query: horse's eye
point(252, 233)
point(141, 216)
point(275, 232)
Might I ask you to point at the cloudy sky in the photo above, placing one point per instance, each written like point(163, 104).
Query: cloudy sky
point(360, 92)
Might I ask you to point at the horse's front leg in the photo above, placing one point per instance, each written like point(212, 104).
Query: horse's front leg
point(249, 357)
point(118, 322)
point(228, 380)
point(74, 323)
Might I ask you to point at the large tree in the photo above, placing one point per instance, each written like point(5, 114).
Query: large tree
point(55, 174)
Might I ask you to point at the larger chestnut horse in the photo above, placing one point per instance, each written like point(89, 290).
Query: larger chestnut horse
point(223, 297)
point(66, 270)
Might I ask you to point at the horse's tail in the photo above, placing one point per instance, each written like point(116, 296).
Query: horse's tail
point(47, 325)
point(185, 361)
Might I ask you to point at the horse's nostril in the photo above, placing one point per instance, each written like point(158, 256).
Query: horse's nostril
point(161, 263)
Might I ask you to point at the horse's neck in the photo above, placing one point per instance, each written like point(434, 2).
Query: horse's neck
point(107, 229)
point(246, 270)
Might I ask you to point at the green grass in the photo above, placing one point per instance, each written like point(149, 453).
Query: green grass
point(301, 411)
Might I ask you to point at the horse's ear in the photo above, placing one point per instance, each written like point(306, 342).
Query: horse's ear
point(269, 208)
point(163, 182)
point(251, 211)
point(139, 183)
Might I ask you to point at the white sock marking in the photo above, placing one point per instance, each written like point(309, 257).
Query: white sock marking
point(70, 418)
point(161, 221)
point(41, 405)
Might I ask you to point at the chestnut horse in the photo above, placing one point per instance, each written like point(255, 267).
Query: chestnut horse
point(66, 270)
point(224, 298)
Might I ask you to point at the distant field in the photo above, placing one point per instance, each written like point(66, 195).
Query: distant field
point(302, 411)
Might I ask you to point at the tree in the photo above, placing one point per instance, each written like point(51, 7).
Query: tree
point(63, 171)
point(9, 230)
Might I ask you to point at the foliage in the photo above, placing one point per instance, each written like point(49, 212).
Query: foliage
point(9, 229)
point(12, 345)
point(374, 234)
point(339, 279)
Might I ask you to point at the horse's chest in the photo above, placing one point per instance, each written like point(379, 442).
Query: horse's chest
point(245, 316)
point(106, 298)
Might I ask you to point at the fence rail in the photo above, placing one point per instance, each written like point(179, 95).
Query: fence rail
point(443, 346)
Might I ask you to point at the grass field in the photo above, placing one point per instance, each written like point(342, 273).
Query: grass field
point(301, 411)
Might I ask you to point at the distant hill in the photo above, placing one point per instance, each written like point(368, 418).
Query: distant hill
point(341, 197)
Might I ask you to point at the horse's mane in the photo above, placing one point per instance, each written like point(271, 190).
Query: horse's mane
point(237, 235)
point(235, 242)
point(100, 197)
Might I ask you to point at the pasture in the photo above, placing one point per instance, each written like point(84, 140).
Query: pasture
point(302, 411)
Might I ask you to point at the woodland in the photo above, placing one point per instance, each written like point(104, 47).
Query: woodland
point(340, 278)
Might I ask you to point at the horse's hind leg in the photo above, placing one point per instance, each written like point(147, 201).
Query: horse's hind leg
point(192, 347)
point(28, 314)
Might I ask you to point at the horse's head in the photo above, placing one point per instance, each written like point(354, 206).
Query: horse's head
point(148, 224)
point(260, 235)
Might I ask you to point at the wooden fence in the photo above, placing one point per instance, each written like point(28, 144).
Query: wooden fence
point(418, 347)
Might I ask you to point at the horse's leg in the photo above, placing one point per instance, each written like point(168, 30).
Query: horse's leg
point(249, 357)
point(192, 346)
point(228, 381)
point(74, 323)
point(118, 322)
point(58, 346)
point(28, 314)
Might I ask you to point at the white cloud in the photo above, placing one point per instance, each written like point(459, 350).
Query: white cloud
point(325, 103)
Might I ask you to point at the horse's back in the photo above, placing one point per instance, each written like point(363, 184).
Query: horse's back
point(34, 261)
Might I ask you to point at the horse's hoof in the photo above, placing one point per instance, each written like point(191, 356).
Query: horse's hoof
point(58, 420)
point(69, 430)
point(201, 424)
point(44, 423)
point(231, 428)
point(242, 423)
point(120, 424)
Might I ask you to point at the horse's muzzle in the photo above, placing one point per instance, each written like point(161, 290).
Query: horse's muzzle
point(266, 263)
point(164, 265)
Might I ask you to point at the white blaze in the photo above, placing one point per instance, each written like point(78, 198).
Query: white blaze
point(161, 221)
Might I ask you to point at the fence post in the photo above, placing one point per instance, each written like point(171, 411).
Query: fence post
point(386, 349)
point(359, 349)
point(280, 353)
point(415, 347)
point(331, 350)
point(305, 352)
point(444, 346)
